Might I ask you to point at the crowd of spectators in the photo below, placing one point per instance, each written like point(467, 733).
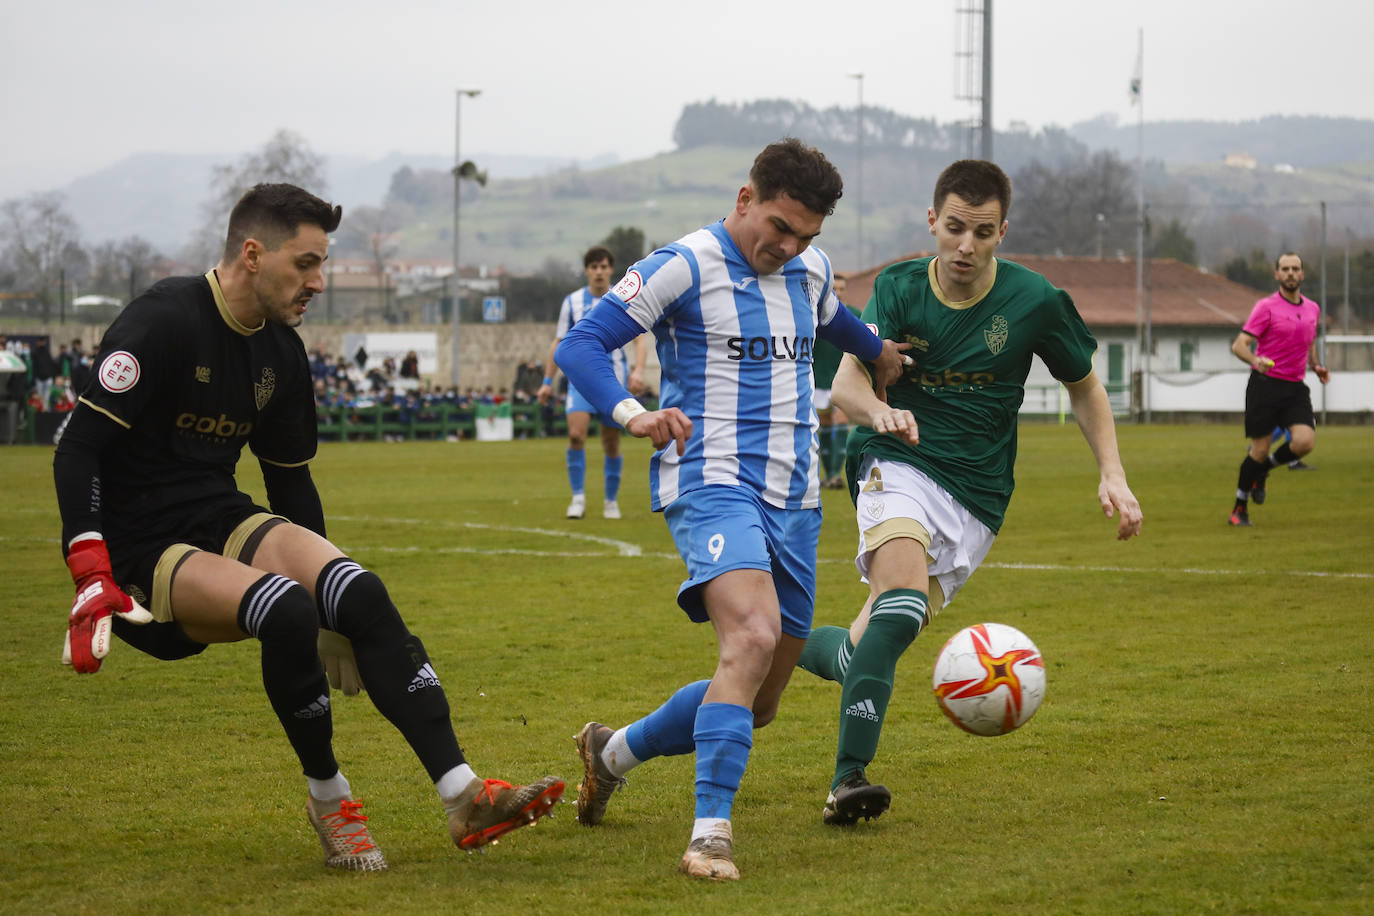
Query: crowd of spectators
point(48, 382)
point(348, 383)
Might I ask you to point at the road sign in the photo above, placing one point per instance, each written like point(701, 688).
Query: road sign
point(494, 309)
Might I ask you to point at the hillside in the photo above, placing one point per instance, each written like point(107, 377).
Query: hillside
point(537, 209)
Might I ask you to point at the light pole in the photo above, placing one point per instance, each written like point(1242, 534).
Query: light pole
point(859, 182)
point(457, 184)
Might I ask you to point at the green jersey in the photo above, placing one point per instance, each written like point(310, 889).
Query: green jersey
point(825, 358)
point(967, 381)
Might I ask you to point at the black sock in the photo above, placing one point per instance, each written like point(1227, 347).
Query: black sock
point(391, 661)
point(281, 615)
point(1250, 471)
point(1282, 455)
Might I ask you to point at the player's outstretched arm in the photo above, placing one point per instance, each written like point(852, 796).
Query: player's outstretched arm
point(1093, 411)
point(852, 392)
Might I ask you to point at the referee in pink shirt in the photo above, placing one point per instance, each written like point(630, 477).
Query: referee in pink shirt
point(1278, 342)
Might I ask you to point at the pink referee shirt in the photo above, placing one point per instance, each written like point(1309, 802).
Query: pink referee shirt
point(1284, 332)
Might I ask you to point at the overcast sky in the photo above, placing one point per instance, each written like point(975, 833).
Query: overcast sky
point(83, 84)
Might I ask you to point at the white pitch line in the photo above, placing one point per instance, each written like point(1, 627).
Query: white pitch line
point(626, 549)
point(1186, 570)
point(623, 548)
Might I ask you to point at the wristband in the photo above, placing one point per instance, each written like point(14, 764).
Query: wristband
point(548, 380)
point(626, 411)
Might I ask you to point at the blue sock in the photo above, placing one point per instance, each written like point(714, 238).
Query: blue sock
point(577, 469)
point(613, 466)
point(724, 734)
point(667, 731)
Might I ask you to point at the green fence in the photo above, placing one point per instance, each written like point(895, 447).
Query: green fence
point(438, 421)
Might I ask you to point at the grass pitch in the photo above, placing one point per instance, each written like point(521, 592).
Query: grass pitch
point(1205, 743)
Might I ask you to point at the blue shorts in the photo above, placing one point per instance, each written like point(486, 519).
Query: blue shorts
point(721, 528)
point(577, 403)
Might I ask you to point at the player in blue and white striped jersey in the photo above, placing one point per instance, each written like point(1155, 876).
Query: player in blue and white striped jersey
point(735, 309)
point(598, 264)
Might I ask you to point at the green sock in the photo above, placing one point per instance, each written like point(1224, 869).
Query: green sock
point(839, 437)
point(827, 652)
point(827, 451)
point(895, 620)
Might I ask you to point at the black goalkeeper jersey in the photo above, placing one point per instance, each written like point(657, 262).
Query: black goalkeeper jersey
point(191, 386)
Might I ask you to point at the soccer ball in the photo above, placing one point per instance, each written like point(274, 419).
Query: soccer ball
point(989, 679)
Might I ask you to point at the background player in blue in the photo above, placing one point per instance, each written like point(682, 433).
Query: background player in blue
point(735, 308)
point(598, 264)
point(191, 371)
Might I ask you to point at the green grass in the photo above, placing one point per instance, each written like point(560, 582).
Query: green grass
point(1205, 744)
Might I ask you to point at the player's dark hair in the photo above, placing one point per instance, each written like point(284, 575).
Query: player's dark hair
point(1287, 254)
point(977, 181)
point(801, 172)
point(597, 253)
point(273, 214)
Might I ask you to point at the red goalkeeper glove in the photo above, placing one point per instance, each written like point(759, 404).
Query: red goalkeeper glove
point(97, 597)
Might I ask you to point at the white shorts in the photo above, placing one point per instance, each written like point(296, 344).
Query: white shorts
point(821, 399)
point(897, 500)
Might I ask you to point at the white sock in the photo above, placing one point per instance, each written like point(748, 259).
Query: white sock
point(711, 826)
point(616, 754)
point(329, 789)
point(452, 783)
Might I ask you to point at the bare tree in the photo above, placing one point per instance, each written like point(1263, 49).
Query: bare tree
point(372, 231)
point(41, 242)
point(125, 268)
point(286, 157)
point(1079, 208)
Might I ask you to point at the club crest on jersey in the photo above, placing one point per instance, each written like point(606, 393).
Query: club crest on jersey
point(629, 286)
point(262, 390)
point(996, 336)
point(119, 372)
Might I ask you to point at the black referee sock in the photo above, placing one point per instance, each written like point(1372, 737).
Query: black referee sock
point(391, 661)
point(280, 614)
point(1282, 455)
point(1250, 471)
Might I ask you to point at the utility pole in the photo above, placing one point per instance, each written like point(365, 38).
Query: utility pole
point(859, 261)
point(457, 187)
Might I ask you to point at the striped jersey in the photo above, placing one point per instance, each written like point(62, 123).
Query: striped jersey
point(735, 350)
point(575, 305)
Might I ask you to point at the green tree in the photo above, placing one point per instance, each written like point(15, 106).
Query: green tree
point(1256, 271)
point(627, 244)
point(1174, 242)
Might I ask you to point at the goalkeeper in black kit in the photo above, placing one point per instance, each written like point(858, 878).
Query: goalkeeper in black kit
point(168, 554)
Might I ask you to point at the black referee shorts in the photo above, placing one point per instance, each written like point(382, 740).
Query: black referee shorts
point(1271, 402)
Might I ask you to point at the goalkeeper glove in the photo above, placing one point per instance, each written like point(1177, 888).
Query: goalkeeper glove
point(339, 664)
point(97, 597)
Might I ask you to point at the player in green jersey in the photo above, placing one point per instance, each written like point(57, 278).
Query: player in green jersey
point(834, 428)
point(930, 500)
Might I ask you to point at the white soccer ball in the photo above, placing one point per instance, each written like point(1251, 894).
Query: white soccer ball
point(989, 679)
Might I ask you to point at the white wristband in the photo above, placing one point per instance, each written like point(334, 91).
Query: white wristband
point(626, 411)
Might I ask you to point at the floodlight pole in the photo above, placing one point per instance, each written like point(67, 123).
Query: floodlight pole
point(457, 189)
point(859, 183)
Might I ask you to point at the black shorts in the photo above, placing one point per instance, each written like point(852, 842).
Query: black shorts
point(1271, 402)
point(135, 560)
